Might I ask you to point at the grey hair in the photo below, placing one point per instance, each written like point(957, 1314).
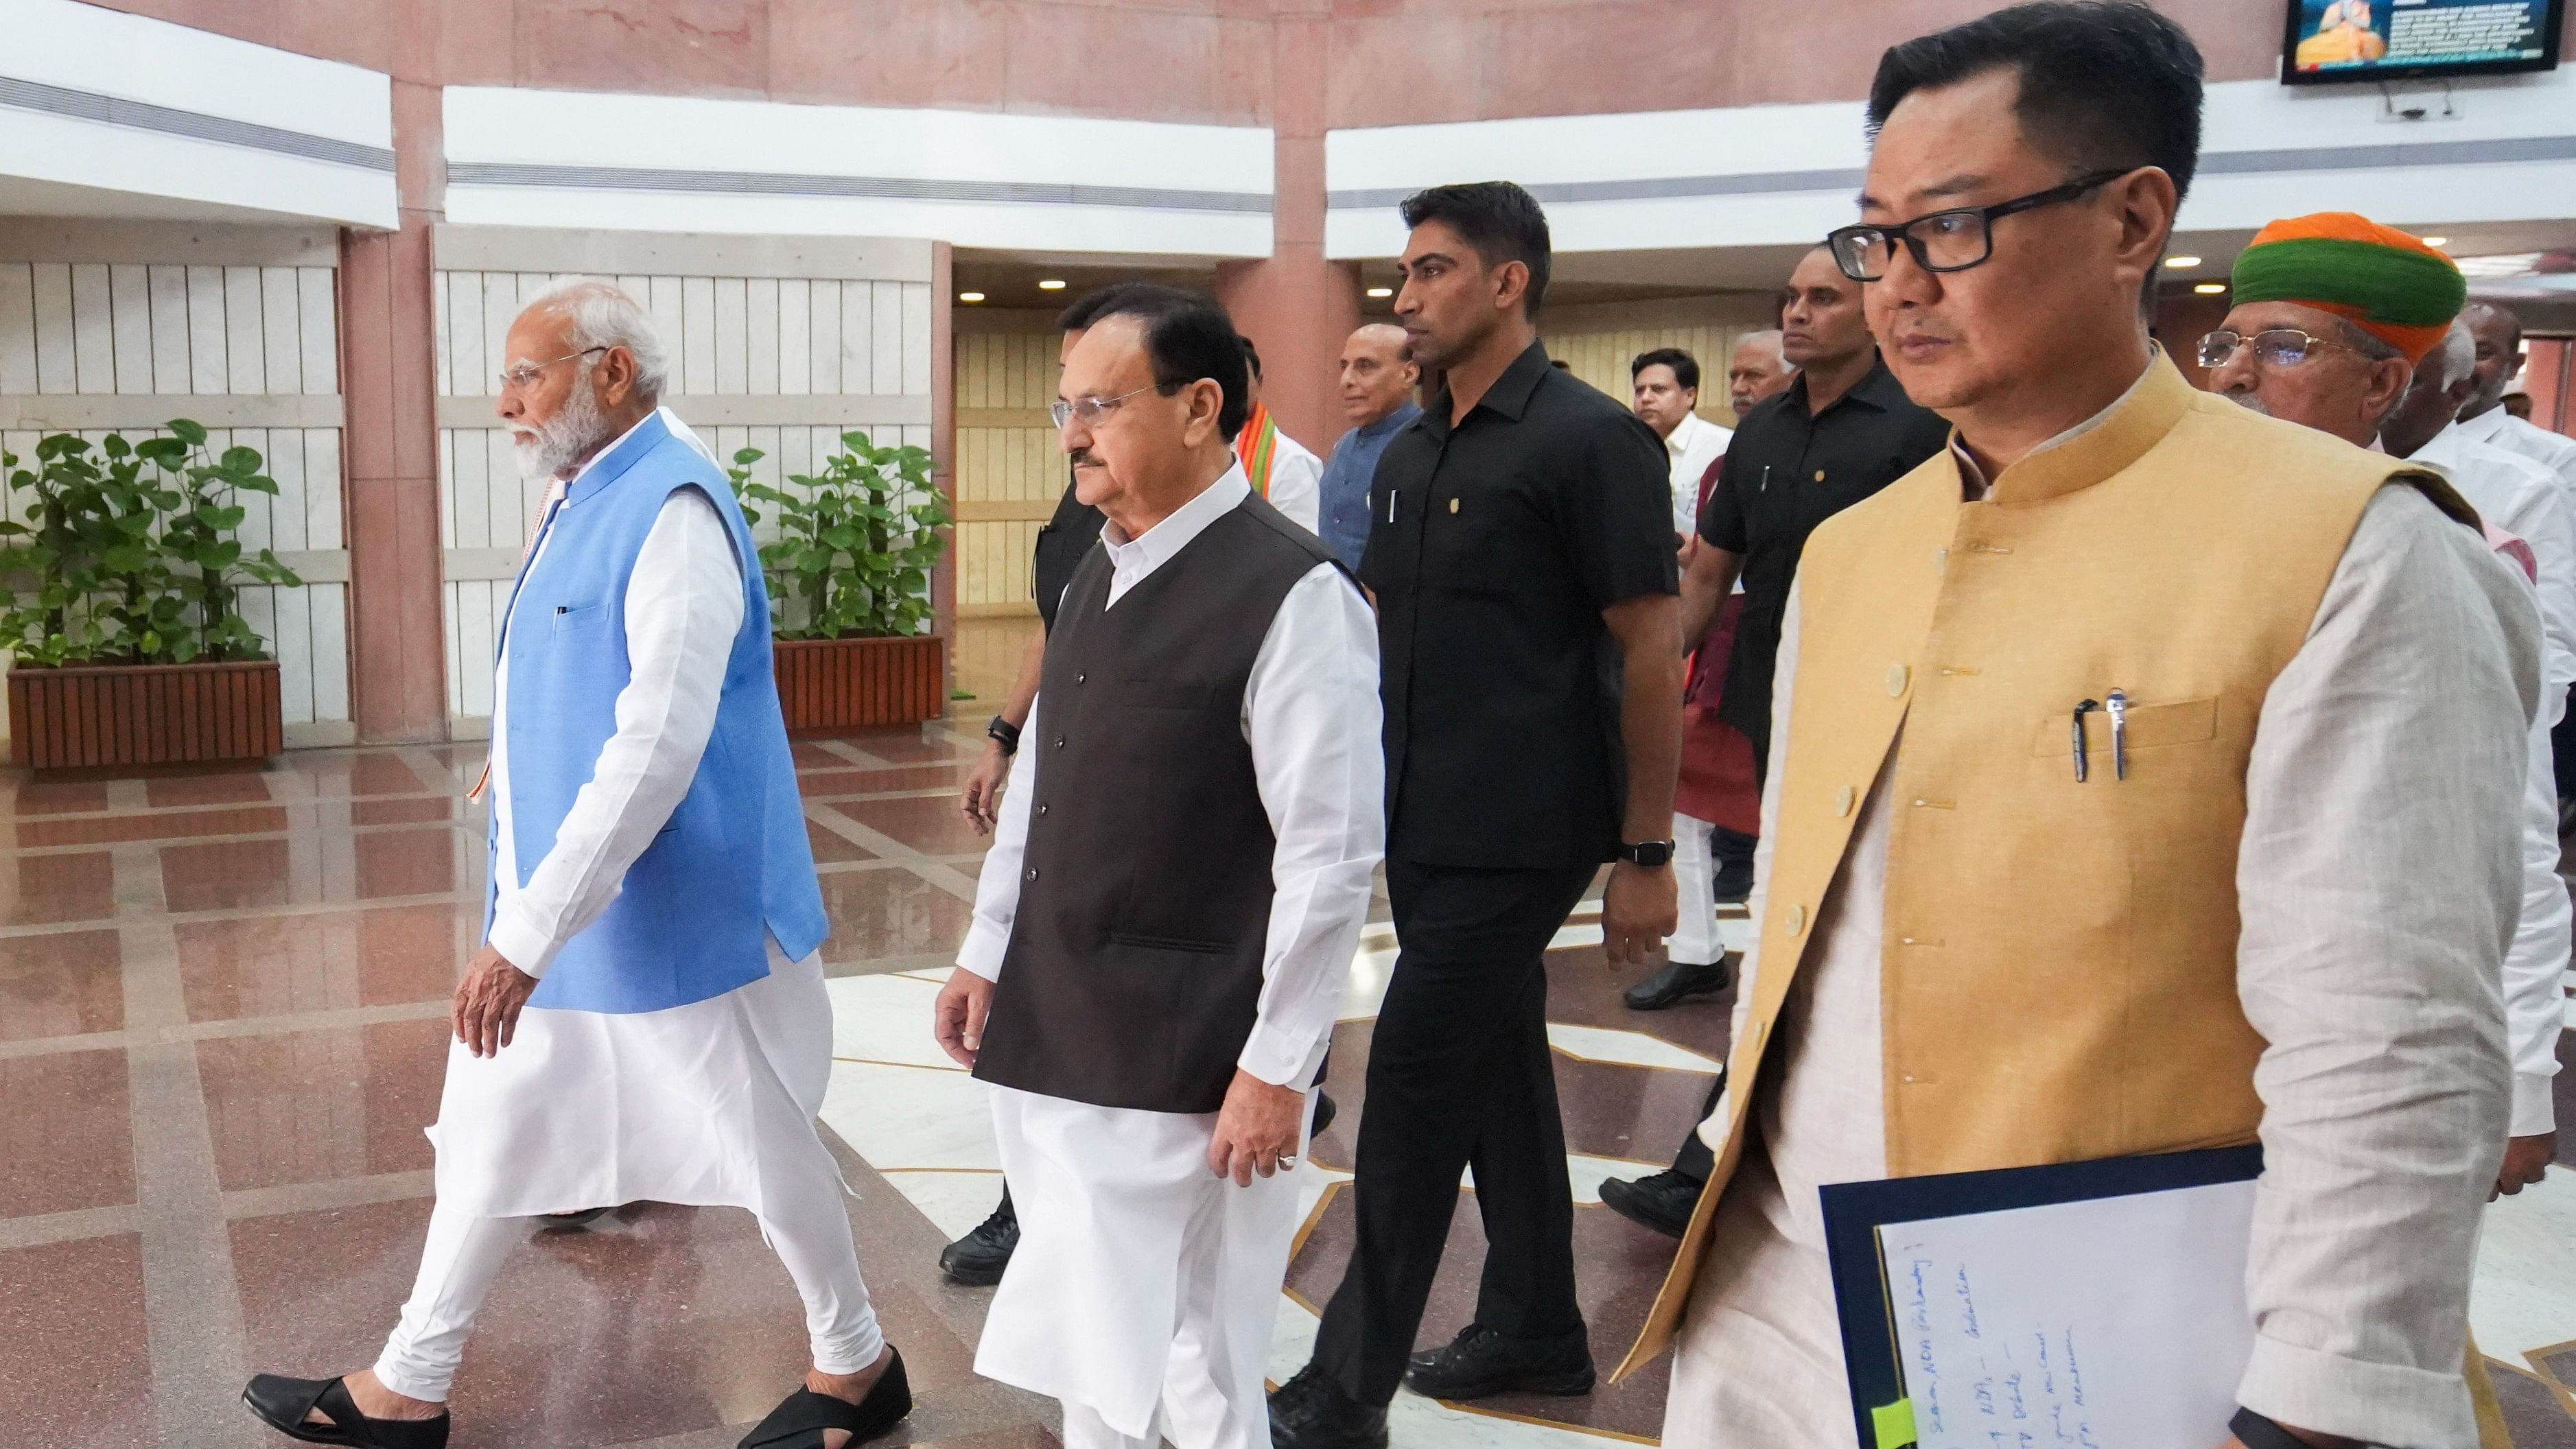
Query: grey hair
point(2452, 358)
point(2351, 335)
point(601, 314)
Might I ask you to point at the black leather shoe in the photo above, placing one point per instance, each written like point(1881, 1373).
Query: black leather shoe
point(1325, 1112)
point(1480, 1361)
point(1662, 1201)
point(283, 1404)
point(1311, 1411)
point(1680, 981)
point(977, 1259)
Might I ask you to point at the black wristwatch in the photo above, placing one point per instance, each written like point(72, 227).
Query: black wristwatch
point(2254, 1431)
point(1652, 854)
point(1004, 733)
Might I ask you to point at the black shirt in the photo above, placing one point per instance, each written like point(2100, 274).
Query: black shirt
point(1062, 541)
point(1493, 548)
point(1786, 472)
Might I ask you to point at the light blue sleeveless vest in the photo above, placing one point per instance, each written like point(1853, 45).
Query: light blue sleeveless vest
point(732, 866)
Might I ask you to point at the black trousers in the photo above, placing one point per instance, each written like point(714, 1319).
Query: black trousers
point(1695, 1161)
point(1459, 1075)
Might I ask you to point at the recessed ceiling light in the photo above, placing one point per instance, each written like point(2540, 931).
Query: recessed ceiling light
point(2180, 262)
point(2210, 289)
point(1052, 284)
point(2437, 241)
point(970, 296)
point(1381, 291)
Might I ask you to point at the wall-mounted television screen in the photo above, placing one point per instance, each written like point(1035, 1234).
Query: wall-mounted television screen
point(2365, 40)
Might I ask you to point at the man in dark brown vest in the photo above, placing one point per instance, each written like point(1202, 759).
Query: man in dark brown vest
point(1170, 906)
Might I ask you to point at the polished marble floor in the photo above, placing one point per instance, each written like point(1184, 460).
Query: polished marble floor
point(222, 1011)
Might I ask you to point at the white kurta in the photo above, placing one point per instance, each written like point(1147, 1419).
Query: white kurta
point(1297, 483)
point(1142, 1279)
point(705, 1104)
point(1693, 444)
point(2359, 1265)
point(2500, 429)
point(2525, 499)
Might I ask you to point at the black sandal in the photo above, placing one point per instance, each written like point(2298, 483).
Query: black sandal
point(281, 1403)
point(800, 1419)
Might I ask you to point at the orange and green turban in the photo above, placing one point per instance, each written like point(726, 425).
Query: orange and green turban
point(2383, 281)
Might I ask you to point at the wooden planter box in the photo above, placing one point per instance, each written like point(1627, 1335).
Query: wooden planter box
point(105, 716)
point(836, 684)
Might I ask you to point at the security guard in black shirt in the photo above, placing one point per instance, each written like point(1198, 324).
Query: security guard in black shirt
point(1842, 431)
point(1520, 552)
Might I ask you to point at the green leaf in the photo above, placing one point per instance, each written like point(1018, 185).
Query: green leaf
point(188, 432)
point(745, 457)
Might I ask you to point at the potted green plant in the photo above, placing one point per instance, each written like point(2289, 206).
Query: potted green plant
point(849, 585)
point(124, 623)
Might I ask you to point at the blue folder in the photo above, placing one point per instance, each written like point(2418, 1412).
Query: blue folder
point(1854, 1212)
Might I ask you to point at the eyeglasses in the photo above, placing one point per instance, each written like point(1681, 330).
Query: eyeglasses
point(1092, 409)
point(2273, 346)
point(1945, 241)
point(521, 377)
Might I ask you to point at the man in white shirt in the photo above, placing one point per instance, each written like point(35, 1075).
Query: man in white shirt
point(2484, 418)
point(1282, 470)
point(1170, 907)
point(645, 1018)
point(1666, 386)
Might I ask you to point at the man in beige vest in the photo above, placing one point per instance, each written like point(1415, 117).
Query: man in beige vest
point(2282, 920)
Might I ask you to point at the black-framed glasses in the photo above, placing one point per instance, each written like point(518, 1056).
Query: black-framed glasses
point(1946, 241)
point(2273, 346)
point(1091, 409)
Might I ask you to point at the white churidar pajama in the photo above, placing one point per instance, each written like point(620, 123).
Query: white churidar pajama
point(2359, 1264)
point(1695, 940)
point(1145, 1287)
point(707, 1104)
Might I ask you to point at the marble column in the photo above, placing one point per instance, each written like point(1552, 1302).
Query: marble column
point(397, 634)
point(1296, 306)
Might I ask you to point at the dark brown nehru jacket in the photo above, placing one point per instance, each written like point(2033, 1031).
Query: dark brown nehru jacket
point(1134, 965)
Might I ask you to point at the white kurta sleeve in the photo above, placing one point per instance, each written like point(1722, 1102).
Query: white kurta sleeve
point(1297, 485)
point(997, 889)
point(1311, 714)
point(2535, 968)
point(2379, 879)
point(684, 606)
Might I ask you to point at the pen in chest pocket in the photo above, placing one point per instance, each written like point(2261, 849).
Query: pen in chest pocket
point(2116, 704)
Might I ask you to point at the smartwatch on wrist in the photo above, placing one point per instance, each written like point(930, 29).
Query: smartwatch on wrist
point(1004, 733)
point(1651, 854)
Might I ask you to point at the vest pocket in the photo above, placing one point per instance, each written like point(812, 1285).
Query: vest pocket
point(1170, 943)
point(572, 618)
point(2151, 726)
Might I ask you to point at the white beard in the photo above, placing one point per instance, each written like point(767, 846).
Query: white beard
point(563, 440)
point(2249, 402)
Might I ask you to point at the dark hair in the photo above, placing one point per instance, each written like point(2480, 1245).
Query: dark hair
point(2107, 83)
point(1251, 354)
point(1685, 367)
point(1187, 337)
point(1500, 220)
point(1093, 305)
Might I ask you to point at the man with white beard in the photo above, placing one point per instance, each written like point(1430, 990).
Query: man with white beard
point(645, 1018)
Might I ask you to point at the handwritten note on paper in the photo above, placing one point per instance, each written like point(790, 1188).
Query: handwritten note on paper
point(2114, 1323)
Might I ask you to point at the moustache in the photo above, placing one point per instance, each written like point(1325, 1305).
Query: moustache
point(1082, 458)
point(2250, 403)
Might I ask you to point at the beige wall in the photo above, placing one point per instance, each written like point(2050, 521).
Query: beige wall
point(1381, 62)
point(1598, 343)
point(1009, 470)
